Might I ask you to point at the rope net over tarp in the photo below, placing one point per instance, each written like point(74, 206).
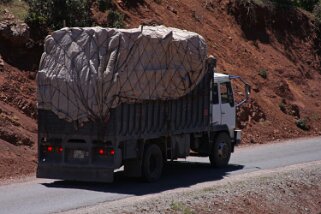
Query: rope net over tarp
point(85, 72)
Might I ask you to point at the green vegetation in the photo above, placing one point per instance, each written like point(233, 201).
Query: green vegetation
point(133, 3)
point(102, 5)
point(263, 73)
point(45, 16)
point(309, 5)
point(17, 7)
point(302, 124)
point(180, 207)
point(317, 11)
point(55, 14)
point(115, 19)
point(305, 4)
point(282, 106)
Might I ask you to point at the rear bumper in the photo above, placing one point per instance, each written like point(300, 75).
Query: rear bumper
point(76, 173)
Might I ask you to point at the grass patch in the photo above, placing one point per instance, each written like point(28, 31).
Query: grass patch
point(18, 8)
point(263, 73)
point(180, 207)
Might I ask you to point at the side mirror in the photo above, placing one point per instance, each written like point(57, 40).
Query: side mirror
point(247, 91)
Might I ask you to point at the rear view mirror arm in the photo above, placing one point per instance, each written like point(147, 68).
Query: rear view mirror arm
point(247, 89)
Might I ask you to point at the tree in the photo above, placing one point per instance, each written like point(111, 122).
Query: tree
point(47, 15)
point(306, 4)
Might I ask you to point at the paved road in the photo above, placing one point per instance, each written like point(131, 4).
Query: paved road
point(47, 196)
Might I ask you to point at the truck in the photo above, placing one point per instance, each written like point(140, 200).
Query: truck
point(141, 136)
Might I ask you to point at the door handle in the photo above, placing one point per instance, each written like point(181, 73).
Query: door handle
point(223, 112)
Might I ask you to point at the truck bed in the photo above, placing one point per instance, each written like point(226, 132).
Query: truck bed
point(146, 120)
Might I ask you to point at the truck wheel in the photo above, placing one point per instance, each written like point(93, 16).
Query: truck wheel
point(221, 151)
point(152, 163)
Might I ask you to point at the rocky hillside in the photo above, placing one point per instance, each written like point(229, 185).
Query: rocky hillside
point(276, 49)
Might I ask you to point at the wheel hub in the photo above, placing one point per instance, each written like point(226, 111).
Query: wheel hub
point(222, 150)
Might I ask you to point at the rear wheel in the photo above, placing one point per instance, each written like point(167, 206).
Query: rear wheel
point(152, 163)
point(221, 150)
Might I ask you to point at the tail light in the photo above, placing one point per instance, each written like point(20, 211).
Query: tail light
point(101, 151)
point(49, 149)
point(107, 152)
point(60, 149)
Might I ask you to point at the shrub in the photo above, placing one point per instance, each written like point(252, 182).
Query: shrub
point(306, 4)
point(282, 106)
point(317, 12)
point(263, 73)
point(302, 124)
point(102, 5)
point(115, 19)
point(54, 14)
point(133, 3)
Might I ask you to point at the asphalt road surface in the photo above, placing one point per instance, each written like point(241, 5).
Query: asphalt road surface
point(48, 196)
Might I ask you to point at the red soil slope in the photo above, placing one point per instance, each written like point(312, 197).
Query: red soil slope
point(18, 129)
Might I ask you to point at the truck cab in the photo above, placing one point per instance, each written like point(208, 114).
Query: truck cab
point(223, 104)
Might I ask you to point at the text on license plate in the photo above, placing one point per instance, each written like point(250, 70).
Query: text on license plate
point(79, 154)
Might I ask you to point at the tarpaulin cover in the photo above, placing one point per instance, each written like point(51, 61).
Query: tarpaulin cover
point(85, 72)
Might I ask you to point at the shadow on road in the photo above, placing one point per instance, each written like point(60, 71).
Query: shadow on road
point(175, 175)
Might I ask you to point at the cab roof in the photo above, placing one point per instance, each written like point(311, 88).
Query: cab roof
point(219, 77)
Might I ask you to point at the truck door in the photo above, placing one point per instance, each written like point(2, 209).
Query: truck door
point(216, 107)
point(227, 106)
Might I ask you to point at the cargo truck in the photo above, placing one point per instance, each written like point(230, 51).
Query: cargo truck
point(142, 136)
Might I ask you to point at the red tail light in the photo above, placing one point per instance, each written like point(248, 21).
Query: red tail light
point(101, 151)
point(60, 149)
point(112, 152)
point(49, 149)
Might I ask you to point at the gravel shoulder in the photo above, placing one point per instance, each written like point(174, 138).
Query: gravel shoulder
point(293, 189)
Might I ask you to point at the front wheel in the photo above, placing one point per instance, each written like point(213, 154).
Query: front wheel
point(221, 150)
point(152, 163)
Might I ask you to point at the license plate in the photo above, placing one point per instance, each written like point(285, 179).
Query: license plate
point(79, 154)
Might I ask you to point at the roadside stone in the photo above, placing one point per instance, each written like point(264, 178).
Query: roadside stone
point(16, 33)
point(279, 191)
point(172, 9)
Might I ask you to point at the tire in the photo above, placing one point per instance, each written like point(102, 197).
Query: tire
point(152, 163)
point(221, 150)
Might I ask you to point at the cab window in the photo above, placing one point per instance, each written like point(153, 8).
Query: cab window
point(226, 93)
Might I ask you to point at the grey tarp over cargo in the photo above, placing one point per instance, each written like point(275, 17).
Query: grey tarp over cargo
point(84, 72)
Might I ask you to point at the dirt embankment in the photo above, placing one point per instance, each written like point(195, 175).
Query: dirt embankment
point(18, 129)
point(275, 49)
